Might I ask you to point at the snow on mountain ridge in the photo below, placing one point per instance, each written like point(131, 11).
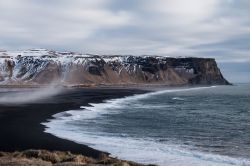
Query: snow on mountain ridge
point(41, 66)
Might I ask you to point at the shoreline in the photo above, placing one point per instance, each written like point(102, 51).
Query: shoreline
point(21, 127)
point(145, 87)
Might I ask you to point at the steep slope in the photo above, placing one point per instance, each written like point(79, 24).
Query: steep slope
point(38, 67)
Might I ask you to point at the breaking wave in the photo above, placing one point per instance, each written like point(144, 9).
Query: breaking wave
point(67, 125)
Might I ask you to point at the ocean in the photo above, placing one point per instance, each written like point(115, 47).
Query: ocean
point(196, 126)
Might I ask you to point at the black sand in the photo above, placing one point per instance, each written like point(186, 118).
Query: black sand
point(21, 129)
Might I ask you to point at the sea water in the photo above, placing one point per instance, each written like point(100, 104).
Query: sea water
point(175, 127)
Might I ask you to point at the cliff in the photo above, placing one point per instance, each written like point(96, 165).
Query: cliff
point(40, 67)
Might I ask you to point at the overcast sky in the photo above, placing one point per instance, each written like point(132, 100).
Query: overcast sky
point(205, 28)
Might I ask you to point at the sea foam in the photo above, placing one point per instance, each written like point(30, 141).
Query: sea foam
point(143, 150)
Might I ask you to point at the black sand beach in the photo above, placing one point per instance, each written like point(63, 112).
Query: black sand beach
point(21, 128)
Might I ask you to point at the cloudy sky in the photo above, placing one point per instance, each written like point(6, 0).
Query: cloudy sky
point(204, 28)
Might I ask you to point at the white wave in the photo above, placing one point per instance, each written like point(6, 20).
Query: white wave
point(159, 92)
point(99, 109)
point(141, 150)
point(178, 98)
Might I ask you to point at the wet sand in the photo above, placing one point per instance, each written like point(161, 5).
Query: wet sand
point(21, 128)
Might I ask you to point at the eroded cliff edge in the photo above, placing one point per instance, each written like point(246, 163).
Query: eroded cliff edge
point(41, 67)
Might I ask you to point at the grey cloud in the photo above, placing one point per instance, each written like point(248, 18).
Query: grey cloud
point(209, 28)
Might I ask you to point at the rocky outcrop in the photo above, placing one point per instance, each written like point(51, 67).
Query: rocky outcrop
point(58, 158)
point(41, 67)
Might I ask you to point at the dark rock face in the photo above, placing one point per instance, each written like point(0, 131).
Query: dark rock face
point(44, 67)
point(205, 70)
point(9, 66)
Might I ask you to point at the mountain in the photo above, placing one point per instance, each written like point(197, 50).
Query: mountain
point(42, 67)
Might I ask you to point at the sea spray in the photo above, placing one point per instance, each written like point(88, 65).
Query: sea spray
point(28, 95)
